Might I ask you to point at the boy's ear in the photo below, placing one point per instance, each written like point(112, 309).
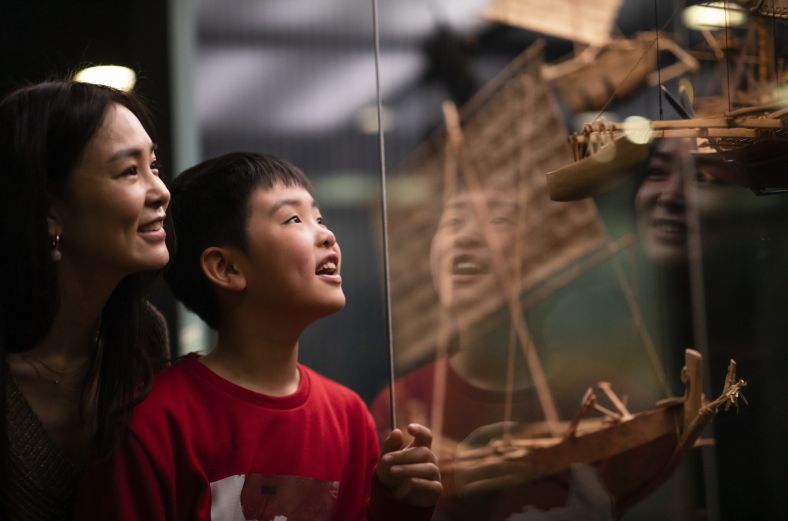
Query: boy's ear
point(218, 265)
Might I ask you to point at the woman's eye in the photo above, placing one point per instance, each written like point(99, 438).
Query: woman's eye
point(155, 166)
point(293, 219)
point(321, 221)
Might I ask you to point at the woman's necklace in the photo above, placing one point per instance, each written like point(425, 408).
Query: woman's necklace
point(57, 376)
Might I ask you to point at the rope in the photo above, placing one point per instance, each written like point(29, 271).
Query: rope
point(384, 210)
point(659, 71)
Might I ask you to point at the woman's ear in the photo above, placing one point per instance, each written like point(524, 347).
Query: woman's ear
point(217, 264)
point(54, 220)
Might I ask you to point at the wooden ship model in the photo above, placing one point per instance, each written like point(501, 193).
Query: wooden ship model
point(501, 132)
point(745, 129)
point(632, 454)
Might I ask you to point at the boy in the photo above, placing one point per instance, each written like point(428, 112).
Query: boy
point(246, 432)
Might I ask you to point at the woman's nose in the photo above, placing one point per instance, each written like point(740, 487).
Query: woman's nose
point(158, 193)
point(673, 189)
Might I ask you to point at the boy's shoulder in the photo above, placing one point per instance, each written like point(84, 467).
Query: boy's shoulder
point(331, 390)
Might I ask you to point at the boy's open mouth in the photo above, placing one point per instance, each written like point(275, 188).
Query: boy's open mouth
point(328, 266)
point(468, 265)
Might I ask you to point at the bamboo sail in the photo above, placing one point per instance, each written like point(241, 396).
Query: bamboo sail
point(583, 22)
point(557, 234)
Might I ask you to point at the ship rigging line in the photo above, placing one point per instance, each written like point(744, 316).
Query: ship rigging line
point(727, 55)
point(774, 47)
point(659, 72)
point(384, 211)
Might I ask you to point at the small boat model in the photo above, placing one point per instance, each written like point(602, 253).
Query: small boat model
point(631, 454)
point(750, 141)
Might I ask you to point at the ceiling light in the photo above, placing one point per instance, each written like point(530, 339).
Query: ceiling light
point(714, 15)
point(121, 78)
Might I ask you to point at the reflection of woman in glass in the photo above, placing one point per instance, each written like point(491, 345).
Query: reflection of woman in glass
point(660, 207)
point(83, 212)
point(739, 249)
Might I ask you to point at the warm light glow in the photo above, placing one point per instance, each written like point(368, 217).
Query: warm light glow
point(714, 15)
point(367, 119)
point(637, 129)
point(121, 78)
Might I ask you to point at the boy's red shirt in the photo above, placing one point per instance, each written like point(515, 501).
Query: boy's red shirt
point(203, 448)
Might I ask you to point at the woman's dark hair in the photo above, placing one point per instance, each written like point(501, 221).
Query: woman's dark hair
point(210, 207)
point(44, 129)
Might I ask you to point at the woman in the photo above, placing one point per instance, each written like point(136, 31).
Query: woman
point(83, 213)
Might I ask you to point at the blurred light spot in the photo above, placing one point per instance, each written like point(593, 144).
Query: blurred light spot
point(367, 119)
point(637, 129)
point(410, 190)
point(119, 77)
point(714, 15)
point(347, 189)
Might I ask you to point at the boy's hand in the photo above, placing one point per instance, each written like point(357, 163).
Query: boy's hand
point(411, 473)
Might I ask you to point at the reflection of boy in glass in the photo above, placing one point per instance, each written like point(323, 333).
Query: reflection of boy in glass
point(464, 256)
point(474, 261)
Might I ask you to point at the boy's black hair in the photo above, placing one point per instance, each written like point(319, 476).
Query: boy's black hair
point(210, 207)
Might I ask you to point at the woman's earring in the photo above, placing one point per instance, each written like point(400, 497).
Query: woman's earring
point(55, 253)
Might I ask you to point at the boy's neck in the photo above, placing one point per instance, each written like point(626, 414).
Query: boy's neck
point(262, 358)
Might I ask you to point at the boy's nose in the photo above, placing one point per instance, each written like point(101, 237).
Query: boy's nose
point(326, 238)
point(469, 235)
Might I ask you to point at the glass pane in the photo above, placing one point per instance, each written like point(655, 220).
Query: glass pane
point(545, 341)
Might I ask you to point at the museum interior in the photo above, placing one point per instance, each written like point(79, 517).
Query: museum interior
point(561, 223)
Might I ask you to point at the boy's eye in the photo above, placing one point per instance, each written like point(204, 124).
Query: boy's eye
point(451, 222)
point(501, 220)
point(132, 170)
point(155, 166)
point(321, 221)
point(293, 219)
